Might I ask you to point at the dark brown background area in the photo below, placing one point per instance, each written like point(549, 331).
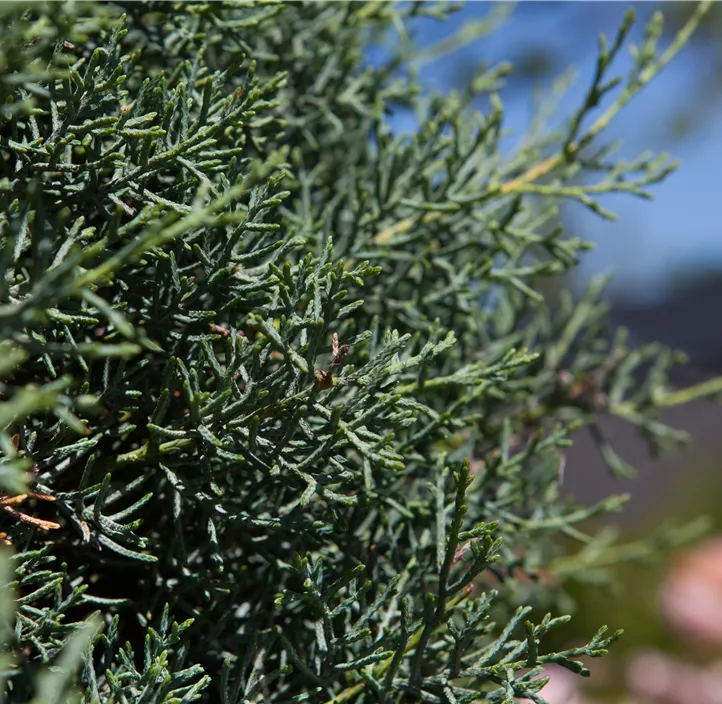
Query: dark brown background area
point(688, 320)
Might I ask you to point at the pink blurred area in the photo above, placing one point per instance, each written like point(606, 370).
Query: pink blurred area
point(691, 595)
point(562, 688)
point(657, 678)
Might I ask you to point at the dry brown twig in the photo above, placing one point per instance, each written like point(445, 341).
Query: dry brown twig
point(8, 504)
point(338, 352)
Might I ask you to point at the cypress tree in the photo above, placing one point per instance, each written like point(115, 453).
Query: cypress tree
point(283, 408)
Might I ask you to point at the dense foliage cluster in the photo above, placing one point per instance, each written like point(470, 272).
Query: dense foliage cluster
point(283, 408)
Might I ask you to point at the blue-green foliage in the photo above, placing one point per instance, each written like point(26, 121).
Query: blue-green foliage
point(289, 377)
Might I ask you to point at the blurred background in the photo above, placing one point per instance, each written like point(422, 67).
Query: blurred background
point(667, 260)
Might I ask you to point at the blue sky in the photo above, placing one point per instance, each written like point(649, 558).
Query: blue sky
point(652, 242)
